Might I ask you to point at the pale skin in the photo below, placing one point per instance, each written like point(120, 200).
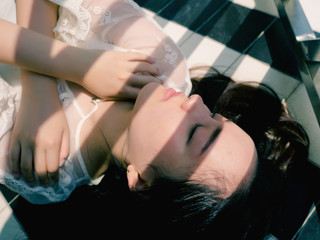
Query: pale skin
point(156, 129)
point(217, 146)
point(30, 143)
point(133, 140)
point(33, 137)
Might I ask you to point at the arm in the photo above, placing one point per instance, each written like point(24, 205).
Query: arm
point(130, 28)
point(40, 137)
point(142, 34)
point(38, 53)
point(35, 52)
point(105, 74)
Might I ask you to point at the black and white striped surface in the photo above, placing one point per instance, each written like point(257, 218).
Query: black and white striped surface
point(243, 39)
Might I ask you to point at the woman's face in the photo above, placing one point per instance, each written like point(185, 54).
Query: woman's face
point(179, 135)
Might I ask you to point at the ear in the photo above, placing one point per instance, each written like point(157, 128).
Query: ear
point(135, 182)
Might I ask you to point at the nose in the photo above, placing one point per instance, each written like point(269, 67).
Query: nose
point(192, 103)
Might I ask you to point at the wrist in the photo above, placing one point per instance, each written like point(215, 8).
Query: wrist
point(77, 64)
point(68, 62)
point(38, 85)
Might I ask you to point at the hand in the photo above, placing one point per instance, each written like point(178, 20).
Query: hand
point(114, 75)
point(40, 139)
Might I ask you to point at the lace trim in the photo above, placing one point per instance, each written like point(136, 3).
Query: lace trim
point(39, 194)
point(171, 55)
point(8, 107)
point(74, 27)
point(106, 16)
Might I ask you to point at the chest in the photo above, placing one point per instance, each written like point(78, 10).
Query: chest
point(102, 135)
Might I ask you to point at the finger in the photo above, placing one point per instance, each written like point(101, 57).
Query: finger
point(140, 80)
point(26, 164)
point(40, 166)
point(131, 92)
point(138, 67)
point(15, 159)
point(52, 160)
point(65, 147)
point(140, 57)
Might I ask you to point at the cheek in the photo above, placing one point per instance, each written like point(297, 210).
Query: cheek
point(156, 124)
point(157, 143)
point(232, 156)
point(145, 136)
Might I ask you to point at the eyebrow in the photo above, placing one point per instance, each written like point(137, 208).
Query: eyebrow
point(213, 137)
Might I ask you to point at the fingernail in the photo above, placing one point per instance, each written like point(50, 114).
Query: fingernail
point(152, 60)
point(159, 72)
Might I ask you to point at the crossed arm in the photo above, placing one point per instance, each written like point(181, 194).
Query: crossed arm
point(34, 144)
point(34, 140)
point(35, 52)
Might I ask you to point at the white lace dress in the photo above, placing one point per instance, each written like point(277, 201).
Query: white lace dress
point(97, 24)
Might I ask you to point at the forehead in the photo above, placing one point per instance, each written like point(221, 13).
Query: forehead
point(232, 157)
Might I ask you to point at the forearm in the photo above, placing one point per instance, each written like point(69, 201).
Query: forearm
point(39, 16)
point(36, 52)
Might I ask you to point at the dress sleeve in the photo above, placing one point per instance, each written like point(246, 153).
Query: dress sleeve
point(124, 24)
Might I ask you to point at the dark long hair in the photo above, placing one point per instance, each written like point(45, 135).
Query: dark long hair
point(256, 108)
point(282, 144)
point(183, 208)
point(180, 207)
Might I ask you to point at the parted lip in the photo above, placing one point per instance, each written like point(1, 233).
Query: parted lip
point(170, 92)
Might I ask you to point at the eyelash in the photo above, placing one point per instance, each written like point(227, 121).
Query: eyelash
point(193, 130)
point(214, 111)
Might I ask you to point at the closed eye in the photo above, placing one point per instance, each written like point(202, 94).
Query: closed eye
point(211, 139)
point(192, 132)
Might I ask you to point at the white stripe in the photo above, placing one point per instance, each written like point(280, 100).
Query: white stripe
point(77, 137)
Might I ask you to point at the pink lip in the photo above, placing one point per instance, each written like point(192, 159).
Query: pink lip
point(170, 92)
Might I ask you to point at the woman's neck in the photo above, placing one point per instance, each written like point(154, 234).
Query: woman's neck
point(114, 124)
